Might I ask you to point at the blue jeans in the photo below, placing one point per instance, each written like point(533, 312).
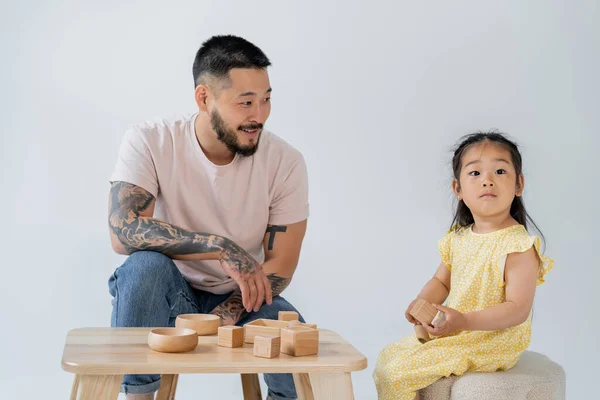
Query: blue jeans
point(149, 290)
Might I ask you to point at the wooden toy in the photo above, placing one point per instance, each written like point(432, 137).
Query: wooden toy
point(298, 323)
point(426, 314)
point(203, 324)
point(439, 319)
point(288, 316)
point(423, 311)
point(422, 334)
point(268, 327)
point(231, 336)
point(172, 340)
point(266, 346)
point(299, 341)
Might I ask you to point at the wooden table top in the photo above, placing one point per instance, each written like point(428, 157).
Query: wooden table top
point(115, 351)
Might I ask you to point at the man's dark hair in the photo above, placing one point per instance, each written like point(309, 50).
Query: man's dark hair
point(219, 54)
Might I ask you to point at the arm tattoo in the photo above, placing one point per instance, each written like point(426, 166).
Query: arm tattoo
point(238, 258)
point(136, 233)
point(232, 308)
point(273, 229)
point(278, 284)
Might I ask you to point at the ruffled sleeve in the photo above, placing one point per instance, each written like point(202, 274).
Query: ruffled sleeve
point(520, 243)
point(445, 249)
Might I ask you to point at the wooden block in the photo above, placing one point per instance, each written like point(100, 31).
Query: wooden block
point(422, 334)
point(288, 316)
point(423, 311)
point(439, 320)
point(231, 336)
point(267, 346)
point(262, 327)
point(299, 341)
point(298, 323)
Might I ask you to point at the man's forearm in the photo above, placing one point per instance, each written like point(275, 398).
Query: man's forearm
point(278, 283)
point(232, 309)
point(144, 233)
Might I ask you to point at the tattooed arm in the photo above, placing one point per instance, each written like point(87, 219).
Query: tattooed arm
point(132, 229)
point(282, 251)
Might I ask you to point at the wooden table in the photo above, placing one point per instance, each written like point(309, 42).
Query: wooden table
point(101, 356)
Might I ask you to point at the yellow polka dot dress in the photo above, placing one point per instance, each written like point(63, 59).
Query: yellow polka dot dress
point(476, 262)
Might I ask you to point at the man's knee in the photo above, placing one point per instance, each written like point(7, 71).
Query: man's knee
point(140, 289)
point(143, 270)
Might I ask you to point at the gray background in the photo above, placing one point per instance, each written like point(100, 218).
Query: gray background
point(374, 95)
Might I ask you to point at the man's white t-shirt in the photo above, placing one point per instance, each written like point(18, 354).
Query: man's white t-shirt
point(236, 201)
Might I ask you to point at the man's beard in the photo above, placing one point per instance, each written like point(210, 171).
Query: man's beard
point(229, 137)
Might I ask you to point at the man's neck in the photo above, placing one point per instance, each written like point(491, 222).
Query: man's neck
point(213, 148)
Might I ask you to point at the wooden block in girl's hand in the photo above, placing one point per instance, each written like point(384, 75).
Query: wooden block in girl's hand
point(423, 311)
point(267, 346)
point(422, 334)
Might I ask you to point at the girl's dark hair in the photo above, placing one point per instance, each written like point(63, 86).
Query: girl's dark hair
point(463, 216)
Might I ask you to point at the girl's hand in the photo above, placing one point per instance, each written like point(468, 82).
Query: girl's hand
point(409, 317)
point(455, 321)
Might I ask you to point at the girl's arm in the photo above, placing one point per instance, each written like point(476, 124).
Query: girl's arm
point(435, 291)
point(520, 274)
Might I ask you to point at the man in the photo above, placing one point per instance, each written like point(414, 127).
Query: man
point(210, 208)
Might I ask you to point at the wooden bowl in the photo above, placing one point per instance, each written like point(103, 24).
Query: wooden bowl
point(203, 324)
point(172, 340)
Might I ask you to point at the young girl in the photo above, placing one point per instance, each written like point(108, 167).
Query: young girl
point(489, 272)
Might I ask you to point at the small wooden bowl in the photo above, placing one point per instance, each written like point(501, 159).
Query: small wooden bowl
point(203, 324)
point(172, 340)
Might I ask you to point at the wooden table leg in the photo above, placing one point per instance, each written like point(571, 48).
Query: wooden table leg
point(332, 385)
point(303, 387)
point(168, 386)
point(75, 387)
point(251, 387)
point(96, 387)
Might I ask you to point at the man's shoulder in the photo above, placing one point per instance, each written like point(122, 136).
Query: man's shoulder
point(278, 149)
point(159, 129)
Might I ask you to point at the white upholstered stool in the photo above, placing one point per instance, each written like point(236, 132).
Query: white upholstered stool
point(535, 377)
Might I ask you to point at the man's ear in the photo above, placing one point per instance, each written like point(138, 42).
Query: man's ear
point(202, 95)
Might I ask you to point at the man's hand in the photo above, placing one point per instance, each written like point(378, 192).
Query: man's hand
point(455, 321)
point(249, 275)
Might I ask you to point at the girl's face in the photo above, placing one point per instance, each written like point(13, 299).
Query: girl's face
point(488, 182)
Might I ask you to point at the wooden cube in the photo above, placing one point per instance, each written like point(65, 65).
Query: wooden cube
point(231, 336)
point(288, 316)
point(439, 320)
point(298, 323)
point(267, 346)
point(423, 311)
point(422, 334)
point(268, 327)
point(299, 341)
